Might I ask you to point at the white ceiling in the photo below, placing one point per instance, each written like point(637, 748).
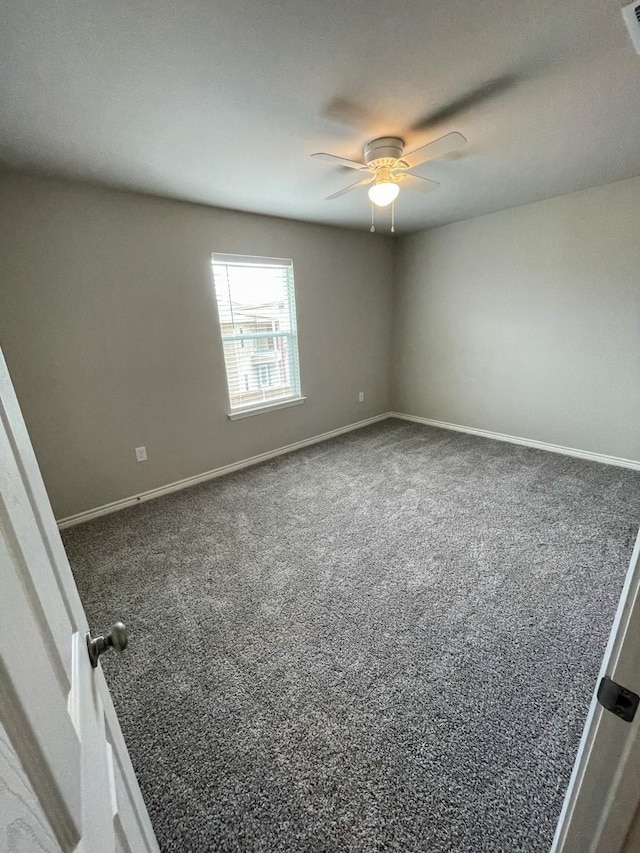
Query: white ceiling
point(222, 102)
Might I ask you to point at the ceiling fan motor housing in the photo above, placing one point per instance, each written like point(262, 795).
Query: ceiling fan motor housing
point(386, 148)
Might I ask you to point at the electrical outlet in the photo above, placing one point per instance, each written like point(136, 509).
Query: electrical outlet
point(361, 397)
point(141, 454)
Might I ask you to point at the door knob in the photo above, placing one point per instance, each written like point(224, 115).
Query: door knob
point(115, 639)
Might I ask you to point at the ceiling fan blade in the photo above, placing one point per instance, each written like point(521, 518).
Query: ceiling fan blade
point(432, 150)
point(340, 161)
point(484, 92)
point(421, 185)
point(349, 188)
point(348, 112)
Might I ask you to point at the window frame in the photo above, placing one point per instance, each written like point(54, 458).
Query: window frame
point(290, 335)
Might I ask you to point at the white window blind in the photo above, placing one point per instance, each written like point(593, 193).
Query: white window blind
point(257, 315)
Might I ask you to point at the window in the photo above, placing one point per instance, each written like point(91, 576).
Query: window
point(265, 344)
point(257, 315)
point(264, 375)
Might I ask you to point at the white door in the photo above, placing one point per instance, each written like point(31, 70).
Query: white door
point(604, 792)
point(66, 780)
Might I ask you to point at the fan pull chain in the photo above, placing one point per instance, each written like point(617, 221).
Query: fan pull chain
point(393, 217)
point(373, 227)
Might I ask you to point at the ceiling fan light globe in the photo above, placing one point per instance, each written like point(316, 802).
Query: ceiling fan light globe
point(384, 193)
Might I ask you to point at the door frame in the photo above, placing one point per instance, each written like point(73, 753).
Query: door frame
point(603, 794)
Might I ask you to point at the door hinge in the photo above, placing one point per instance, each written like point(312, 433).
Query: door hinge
point(620, 701)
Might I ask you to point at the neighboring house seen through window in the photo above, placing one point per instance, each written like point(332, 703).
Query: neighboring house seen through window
point(257, 315)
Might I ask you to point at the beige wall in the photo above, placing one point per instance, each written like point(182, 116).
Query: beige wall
point(527, 322)
point(632, 842)
point(108, 325)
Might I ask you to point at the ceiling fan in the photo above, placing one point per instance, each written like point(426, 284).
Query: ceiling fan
point(386, 167)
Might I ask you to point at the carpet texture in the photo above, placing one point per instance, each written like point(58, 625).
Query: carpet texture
point(385, 642)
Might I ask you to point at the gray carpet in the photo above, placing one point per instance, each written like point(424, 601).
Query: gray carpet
point(386, 642)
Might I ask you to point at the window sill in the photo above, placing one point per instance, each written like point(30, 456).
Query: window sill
point(268, 407)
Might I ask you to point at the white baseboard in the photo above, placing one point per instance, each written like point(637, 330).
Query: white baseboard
point(527, 442)
point(72, 520)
